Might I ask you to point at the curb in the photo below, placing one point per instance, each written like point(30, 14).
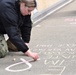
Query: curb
point(37, 18)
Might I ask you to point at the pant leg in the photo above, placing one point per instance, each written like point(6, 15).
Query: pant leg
point(3, 46)
point(11, 46)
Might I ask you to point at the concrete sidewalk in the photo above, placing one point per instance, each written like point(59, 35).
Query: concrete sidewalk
point(55, 41)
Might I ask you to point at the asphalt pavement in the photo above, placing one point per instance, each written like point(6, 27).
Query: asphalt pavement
point(54, 39)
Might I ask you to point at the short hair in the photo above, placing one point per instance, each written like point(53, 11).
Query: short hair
point(29, 3)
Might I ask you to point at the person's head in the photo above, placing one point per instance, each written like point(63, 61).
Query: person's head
point(26, 6)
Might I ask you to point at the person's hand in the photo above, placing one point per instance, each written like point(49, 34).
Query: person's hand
point(26, 44)
point(35, 56)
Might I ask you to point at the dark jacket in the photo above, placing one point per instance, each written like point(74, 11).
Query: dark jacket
point(11, 22)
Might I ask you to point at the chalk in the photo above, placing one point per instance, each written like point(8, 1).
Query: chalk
point(14, 59)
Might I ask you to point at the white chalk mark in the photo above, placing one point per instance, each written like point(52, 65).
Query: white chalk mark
point(54, 69)
point(54, 63)
point(47, 62)
point(23, 61)
point(61, 62)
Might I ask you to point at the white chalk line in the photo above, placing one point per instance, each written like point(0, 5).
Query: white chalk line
point(23, 61)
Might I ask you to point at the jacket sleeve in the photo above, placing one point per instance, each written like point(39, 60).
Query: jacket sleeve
point(9, 19)
point(26, 28)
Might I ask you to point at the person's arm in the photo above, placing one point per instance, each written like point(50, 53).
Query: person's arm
point(9, 19)
point(26, 28)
